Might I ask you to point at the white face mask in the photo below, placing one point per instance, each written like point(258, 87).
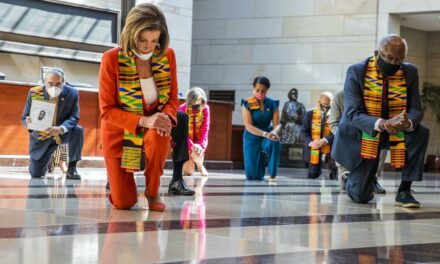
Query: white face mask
point(144, 57)
point(53, 91)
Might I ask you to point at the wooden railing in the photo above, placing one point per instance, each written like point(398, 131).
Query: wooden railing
point(14, 138)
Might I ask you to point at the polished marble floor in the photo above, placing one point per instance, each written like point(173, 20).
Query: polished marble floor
point(229, 220)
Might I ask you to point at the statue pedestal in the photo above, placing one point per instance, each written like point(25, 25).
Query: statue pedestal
point(292, 156)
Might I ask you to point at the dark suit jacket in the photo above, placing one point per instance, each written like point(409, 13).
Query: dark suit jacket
point(347, 146)
point(67, 116)
point(306, 130)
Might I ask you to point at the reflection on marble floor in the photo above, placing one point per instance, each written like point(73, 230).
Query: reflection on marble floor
point(229, 220)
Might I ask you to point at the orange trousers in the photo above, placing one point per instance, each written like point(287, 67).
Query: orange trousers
point(123, 191)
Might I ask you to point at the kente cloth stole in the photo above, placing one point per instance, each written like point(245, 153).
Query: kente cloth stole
point(37, 93)
point(253, 103)
point(130, 93)
point(195, 121)
point(316, 134)
point(397, 99)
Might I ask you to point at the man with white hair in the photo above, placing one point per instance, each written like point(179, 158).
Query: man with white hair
point(65, 128)
point(382, 110)
point(318, 137)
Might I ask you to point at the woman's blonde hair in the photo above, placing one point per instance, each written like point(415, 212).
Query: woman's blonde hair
point(144, 17)
point(195, 94)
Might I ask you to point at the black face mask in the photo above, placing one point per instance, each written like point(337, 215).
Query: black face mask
point(196, 106)
point(387, 68)
point(324, 108)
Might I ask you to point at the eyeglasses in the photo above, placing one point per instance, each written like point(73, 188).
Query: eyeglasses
point(390, 59)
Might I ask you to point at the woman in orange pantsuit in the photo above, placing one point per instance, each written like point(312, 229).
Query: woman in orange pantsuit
point(138, 102)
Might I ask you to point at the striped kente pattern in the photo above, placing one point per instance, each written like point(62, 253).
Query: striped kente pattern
point(397, 99)
point(162, 77)
point(198, 117)
point(316, 134)
point(253, 103)
point(130, 92)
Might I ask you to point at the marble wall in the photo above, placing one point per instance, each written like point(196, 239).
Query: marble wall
point(417, 49)
point(433, 58)
point(303, 44)
point(179, 16)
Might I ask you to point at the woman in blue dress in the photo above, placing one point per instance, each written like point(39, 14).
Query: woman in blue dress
point(261, 118)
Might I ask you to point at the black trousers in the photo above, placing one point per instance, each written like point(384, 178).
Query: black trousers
point(179, 134)
point(360, 183)
point(74, 138)
point(315, 169)
point(179, 144)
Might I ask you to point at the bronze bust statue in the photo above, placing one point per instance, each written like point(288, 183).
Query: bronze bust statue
point(291, 119)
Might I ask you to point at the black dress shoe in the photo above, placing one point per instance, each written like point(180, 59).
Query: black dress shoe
point(377, 189)
point(406, 200)
point(179, 188)
point(72, 174)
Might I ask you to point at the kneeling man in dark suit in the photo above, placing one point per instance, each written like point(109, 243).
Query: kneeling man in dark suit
point(382, 110)
point(65, 129)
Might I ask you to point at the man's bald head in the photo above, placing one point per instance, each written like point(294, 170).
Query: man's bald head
point(393, 48)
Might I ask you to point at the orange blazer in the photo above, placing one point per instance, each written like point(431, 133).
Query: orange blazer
point(113, 118)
